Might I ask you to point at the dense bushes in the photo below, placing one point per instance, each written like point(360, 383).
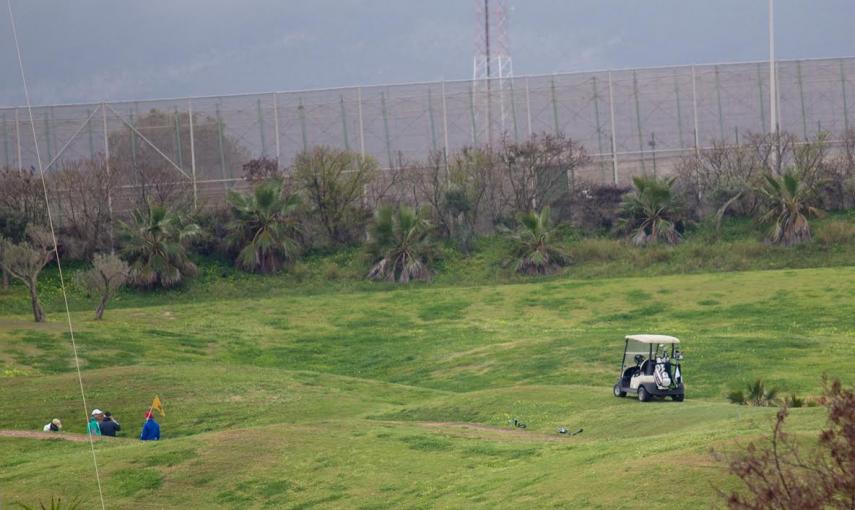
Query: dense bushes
point(331, 200)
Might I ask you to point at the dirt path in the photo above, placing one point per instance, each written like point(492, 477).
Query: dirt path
point(31, 434)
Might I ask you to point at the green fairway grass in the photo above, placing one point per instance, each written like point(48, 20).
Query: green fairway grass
point(365, 396)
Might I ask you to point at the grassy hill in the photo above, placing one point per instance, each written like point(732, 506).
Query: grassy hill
point(282, 394)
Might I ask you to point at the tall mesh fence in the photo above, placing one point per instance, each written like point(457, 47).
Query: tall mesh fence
point(630, 121)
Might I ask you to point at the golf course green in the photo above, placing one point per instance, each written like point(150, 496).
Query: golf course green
point(403, 398)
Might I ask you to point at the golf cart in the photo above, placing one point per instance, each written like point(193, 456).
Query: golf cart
point(656, 373)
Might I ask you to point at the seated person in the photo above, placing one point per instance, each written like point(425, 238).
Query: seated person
point(54, 426)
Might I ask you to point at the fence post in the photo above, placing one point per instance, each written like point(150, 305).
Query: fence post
point(5, 141)
point(178, 139)
point(301, 111)
point(344, 123)
point(697, 135)
point(445, 126)
point(514, 111)
point(638, 119)
point(47, 135)
point(845, 105)
point(802, 98)
point(528, 107)
point(276, 128)
point(91, 136)
point(679, 109)
point(554, 105)
point(472, 114)
point(763, 125)
point(220, 146)
point(18, 140)
point(614, 138)
point(718, 99)
point(386, 127)
point(432, 126)
point(695, 114)
point(261, 127)
point(653, 150)
point(192, 153)
point(109, 175)
point(133, 142)
point(53, 131)
point(361, 125)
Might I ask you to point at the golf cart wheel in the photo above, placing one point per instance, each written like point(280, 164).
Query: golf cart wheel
point(618, 392)
point(643, 396)
point(678, 398)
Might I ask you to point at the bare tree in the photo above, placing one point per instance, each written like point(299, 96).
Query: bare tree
point(107, 275)
point(333, 182)
point(25, 260)
point(21, 192)
point(82, 193)
point(536, 172)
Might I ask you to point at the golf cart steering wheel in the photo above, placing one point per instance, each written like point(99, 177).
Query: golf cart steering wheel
point(639, 358)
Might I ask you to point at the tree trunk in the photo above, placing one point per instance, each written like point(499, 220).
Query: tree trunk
point(38, 311)
point(99, 312)
point(5, 280)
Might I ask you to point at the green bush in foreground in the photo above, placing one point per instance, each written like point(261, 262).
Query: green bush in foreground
point(54, 504)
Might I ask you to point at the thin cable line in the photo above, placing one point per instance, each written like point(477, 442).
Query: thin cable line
point(55, 249)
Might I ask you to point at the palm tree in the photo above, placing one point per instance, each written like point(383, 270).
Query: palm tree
point(534, 244)
point(264, 228)
point(651, 211)
point(399, 245)
point(788, 200)
point(154, 248)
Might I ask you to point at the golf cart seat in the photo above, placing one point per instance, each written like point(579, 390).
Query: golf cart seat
point(648, 367)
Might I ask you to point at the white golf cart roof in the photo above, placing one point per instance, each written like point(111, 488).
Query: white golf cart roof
point(653, 339)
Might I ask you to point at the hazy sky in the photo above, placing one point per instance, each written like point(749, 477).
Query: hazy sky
point(89, 50)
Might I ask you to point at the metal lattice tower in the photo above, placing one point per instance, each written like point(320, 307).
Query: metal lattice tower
point(492, 67)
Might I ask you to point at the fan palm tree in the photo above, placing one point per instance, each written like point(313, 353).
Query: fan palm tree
point(264, 228)
point(154, 247)
point(534, 244)
point(788, 200)
point(651, 211)
point(399, 245)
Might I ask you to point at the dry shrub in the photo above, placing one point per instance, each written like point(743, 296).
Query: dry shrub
point(783, 473)
point(835, 233)
point(598, 249)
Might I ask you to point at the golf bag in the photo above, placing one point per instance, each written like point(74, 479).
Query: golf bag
point(661, 376)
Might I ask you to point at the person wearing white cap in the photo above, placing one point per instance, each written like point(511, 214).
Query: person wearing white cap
point(94, 428)
point(54, 426)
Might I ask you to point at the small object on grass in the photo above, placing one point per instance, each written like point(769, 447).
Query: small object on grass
point(562, 430)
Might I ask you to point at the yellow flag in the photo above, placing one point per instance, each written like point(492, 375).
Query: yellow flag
point(156, 404)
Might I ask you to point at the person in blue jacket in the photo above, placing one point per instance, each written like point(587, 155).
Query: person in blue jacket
point(151, 430)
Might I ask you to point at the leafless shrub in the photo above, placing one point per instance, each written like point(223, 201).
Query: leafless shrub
point(107, 275)
point(784, 474)
point(82, 194)
point(536, 172)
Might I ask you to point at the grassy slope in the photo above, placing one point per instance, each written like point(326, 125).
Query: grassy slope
point(329, 399)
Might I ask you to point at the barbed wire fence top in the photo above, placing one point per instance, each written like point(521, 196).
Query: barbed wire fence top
point(631, 121)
